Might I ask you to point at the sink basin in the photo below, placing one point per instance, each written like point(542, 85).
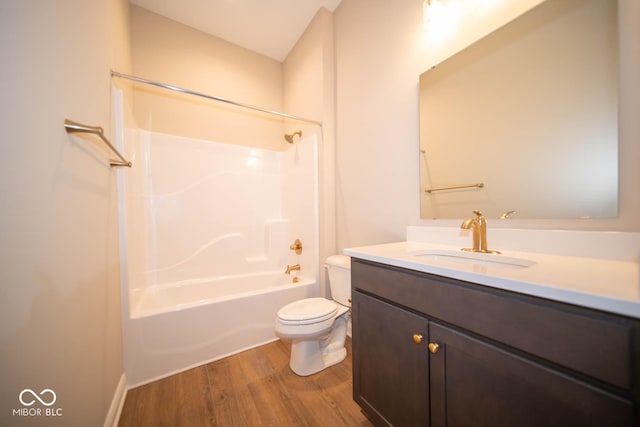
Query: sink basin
point(474, 258)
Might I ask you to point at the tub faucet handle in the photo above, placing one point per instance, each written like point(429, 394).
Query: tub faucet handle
point(296, 246)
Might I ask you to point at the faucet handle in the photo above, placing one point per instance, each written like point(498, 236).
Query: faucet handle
point(506, 214)
point(296, 246)
point(477, 212)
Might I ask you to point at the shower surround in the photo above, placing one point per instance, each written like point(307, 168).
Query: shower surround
point(205, 235)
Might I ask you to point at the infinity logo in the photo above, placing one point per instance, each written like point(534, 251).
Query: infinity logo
point(36, 397)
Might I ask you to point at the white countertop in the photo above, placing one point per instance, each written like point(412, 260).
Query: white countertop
point(603, 284)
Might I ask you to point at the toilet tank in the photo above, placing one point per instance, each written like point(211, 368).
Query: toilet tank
point(339, 268)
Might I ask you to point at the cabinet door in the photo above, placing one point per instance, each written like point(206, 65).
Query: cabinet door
point(474, 383)
point(390, 370)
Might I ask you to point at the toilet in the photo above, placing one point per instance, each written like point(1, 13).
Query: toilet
point(317, 327)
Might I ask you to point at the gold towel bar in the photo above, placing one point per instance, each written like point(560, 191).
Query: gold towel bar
point(71, 127)
point(431, 190)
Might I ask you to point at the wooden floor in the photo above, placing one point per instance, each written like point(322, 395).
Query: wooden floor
point(253, 388)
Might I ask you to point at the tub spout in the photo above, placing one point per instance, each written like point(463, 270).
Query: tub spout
point(290, 268)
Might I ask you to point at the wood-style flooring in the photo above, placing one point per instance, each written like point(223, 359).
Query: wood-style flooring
point(252, 388)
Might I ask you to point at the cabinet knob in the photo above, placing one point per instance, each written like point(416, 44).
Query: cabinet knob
point(417, 338)
point(433, 347)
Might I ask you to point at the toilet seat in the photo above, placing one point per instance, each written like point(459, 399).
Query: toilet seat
point(307, 311)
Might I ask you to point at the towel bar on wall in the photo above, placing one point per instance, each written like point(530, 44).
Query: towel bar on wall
point(72, 127)
point(431, 190)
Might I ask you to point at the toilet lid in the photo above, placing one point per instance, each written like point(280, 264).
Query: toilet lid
point(308, 310)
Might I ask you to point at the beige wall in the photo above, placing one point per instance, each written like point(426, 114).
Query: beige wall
point(167, 51)
point(60, 315)
point(381, 50)
point(309, 91)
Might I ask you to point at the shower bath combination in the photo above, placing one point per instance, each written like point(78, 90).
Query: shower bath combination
point(192, 258)
point(188, 257)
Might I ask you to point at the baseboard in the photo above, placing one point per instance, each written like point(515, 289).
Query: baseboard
point(113, 416)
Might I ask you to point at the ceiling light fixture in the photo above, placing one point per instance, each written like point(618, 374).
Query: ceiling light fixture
point(440, 19)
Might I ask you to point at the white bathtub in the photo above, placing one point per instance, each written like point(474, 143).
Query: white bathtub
point(174, 327)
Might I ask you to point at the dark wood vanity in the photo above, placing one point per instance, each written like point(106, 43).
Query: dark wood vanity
point(431, 350)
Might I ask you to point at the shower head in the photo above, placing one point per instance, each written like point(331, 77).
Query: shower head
point(289, 136)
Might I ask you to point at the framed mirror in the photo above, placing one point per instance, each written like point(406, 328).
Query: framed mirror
point(526, 119)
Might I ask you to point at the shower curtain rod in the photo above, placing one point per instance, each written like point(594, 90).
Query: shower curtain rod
point(215, 98)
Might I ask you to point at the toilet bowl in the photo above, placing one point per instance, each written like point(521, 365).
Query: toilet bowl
point(317, 327)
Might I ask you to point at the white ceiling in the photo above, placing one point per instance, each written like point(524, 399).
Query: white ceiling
point(269, 27)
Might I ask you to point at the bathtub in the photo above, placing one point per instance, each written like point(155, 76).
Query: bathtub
point(177, 326)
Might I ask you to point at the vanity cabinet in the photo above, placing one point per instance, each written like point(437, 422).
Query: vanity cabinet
point(430, 350)
point(393, 388)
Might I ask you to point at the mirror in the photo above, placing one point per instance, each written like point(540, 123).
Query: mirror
point(526, 119)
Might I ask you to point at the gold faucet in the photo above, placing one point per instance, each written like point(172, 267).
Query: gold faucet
point(479, 226)
point(290, 268)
